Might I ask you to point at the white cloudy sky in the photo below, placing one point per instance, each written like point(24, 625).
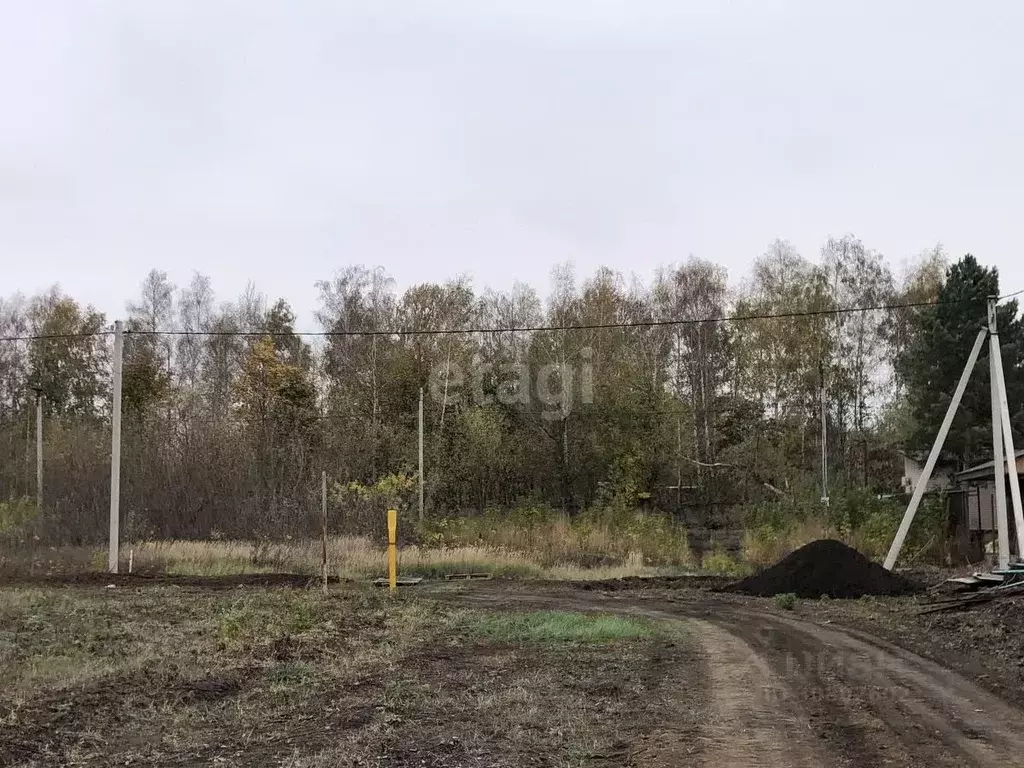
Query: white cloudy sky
point(279, 140)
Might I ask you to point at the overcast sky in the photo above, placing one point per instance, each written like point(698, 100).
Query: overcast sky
point(281, 140)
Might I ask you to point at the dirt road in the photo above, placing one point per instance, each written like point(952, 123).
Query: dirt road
point(789, 692)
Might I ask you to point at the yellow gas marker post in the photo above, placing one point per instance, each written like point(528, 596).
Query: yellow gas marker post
point(393, 549)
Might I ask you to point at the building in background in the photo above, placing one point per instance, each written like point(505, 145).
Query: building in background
point(973, 504)
point(942, 475)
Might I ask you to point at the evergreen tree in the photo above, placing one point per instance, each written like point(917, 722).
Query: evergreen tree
point(932, 363)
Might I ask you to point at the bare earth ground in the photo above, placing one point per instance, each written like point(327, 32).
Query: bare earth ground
point(250, 672)
point(792, 691)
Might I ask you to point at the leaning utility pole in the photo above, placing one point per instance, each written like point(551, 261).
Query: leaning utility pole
point(1005, 458)
point(115, 452)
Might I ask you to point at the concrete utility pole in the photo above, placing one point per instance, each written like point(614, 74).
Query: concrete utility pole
point(1004, 463)
point(39, 449)
point(323, 503)
point(28, 453)
point(824, 440)
point(1011, 458)
point(929, 465)
point(998, 465)
point(1001, 407)
point(421, 453)
point(115, 452)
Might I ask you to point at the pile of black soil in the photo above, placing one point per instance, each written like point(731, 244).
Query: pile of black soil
point(825, 567)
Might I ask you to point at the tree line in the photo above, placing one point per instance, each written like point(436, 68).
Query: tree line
point(230, 414)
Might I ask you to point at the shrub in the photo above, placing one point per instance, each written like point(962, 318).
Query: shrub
point(856, 516)
point(363, 506)
point(722, 564)
point(925, 540)
point(16, 518)
point(786, 601)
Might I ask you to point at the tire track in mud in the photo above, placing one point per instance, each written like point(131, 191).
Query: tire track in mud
point(752, 722)
point(751, 718)
point(838, 712)
point(905, 709)
point(790, 692)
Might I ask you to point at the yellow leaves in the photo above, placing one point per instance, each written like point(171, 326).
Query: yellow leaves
point(267, 381)
point(396, 488)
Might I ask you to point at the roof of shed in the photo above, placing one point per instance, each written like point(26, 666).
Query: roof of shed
point(982, 471)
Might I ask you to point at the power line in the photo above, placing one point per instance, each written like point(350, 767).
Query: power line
point(521, 329)
point(46, 336)
point(567, 327)
point(543, 328)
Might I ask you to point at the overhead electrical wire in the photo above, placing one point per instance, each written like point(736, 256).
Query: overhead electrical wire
point(522, 329)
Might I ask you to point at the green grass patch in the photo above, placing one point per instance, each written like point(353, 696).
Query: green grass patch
point(557, 627)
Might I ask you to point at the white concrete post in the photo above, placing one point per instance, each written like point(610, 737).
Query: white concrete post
point(39, 451)
point(323, 511)
point(1008, 449)
point(421, 453)
point(824, 440)
point(998, 464)
point(115, 452)
point(929, 466)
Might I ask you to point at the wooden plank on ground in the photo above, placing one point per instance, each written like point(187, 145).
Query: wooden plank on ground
point(403, 581)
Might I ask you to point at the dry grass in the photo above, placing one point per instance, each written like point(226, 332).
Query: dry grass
point(352, 557)
point(527, 545)
point(250, 676)
point(544, 547)
point(587, 540)
point(766, 547)
point(163, 677)
point(763, 548)
point(524, 545)
point(548, 550)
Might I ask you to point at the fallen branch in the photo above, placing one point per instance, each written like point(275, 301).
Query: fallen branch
point(726, 465)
